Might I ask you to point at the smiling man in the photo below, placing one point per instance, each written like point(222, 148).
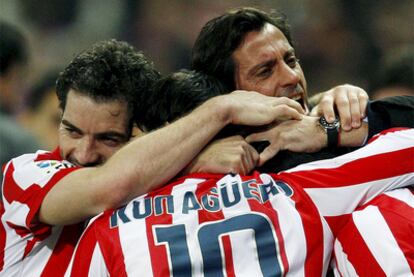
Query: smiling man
point(106, 130)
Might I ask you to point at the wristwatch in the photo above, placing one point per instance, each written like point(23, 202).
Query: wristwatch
point(331, 130)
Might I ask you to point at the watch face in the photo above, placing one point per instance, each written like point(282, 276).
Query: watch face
point(329, 126)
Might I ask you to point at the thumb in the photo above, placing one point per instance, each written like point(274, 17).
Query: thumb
point(268, 153)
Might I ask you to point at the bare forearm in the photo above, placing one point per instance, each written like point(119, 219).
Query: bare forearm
point(355, 137)
point(352, 138)
point(153, 159)
point(162, 154)
point(142, 165)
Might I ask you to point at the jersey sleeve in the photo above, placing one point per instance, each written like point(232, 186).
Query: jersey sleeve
point(377, 240)
point(25, 185)
point(88, 259)
point(337, 186)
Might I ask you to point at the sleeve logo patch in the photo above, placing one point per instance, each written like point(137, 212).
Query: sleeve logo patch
point(53, 166)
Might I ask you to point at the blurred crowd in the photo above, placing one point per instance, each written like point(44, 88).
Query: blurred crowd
point(368, 43)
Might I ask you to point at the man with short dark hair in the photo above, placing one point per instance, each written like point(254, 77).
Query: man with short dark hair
point(95, 168)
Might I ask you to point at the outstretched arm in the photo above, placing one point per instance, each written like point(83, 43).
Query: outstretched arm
point(153, 159)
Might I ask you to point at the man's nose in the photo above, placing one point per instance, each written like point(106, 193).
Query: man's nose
point(288, 76)
point(86, 153)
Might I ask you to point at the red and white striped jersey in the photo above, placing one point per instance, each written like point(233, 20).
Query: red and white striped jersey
point(259, 225)
point(378, 240)
point(28, 247)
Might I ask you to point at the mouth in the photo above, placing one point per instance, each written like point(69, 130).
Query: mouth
point(296, 93)
point(299, 98)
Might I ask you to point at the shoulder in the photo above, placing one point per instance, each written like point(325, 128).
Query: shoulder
point(38, 169)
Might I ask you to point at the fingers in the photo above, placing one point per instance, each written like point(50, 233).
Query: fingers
point(350, 102)
point(268, 153)
point(249, 159)
point(285, 112)
point(242, 157)
point(343, 107)
point(271, 150)
point(327, 107)
point(254, 109)
point(354, 110)
point(289, 102)
point(363, 102)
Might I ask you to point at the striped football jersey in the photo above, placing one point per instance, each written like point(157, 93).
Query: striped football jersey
point(378, 240)
point(232, 225)
point(28, 247)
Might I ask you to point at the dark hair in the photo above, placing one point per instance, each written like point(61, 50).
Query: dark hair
point(221, 36)
point(178, 94)
point(110, 70)
point(13, 49)
point(40, 90)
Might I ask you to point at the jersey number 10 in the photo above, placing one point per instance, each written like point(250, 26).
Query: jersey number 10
point(209, 235)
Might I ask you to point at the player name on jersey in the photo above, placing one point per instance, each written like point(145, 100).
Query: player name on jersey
point(228, 193)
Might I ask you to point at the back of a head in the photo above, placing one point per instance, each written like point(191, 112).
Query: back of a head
point(221, 36)
point(13, 48)
point(110, 71)
point(182, 92)
point(178, 94)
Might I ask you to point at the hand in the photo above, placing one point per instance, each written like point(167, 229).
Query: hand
point(293, 135)
point(350, 102)
point(231, 154)
point(252, 108)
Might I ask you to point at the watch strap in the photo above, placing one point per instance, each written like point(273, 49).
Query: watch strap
point(331, 130)
point(333, 137)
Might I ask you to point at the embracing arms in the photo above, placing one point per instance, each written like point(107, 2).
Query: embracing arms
point(151, 160)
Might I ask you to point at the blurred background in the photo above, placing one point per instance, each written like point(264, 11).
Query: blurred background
point(337, 41)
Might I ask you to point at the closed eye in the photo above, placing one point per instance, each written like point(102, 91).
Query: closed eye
point(73, 132)
point(111, 142)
